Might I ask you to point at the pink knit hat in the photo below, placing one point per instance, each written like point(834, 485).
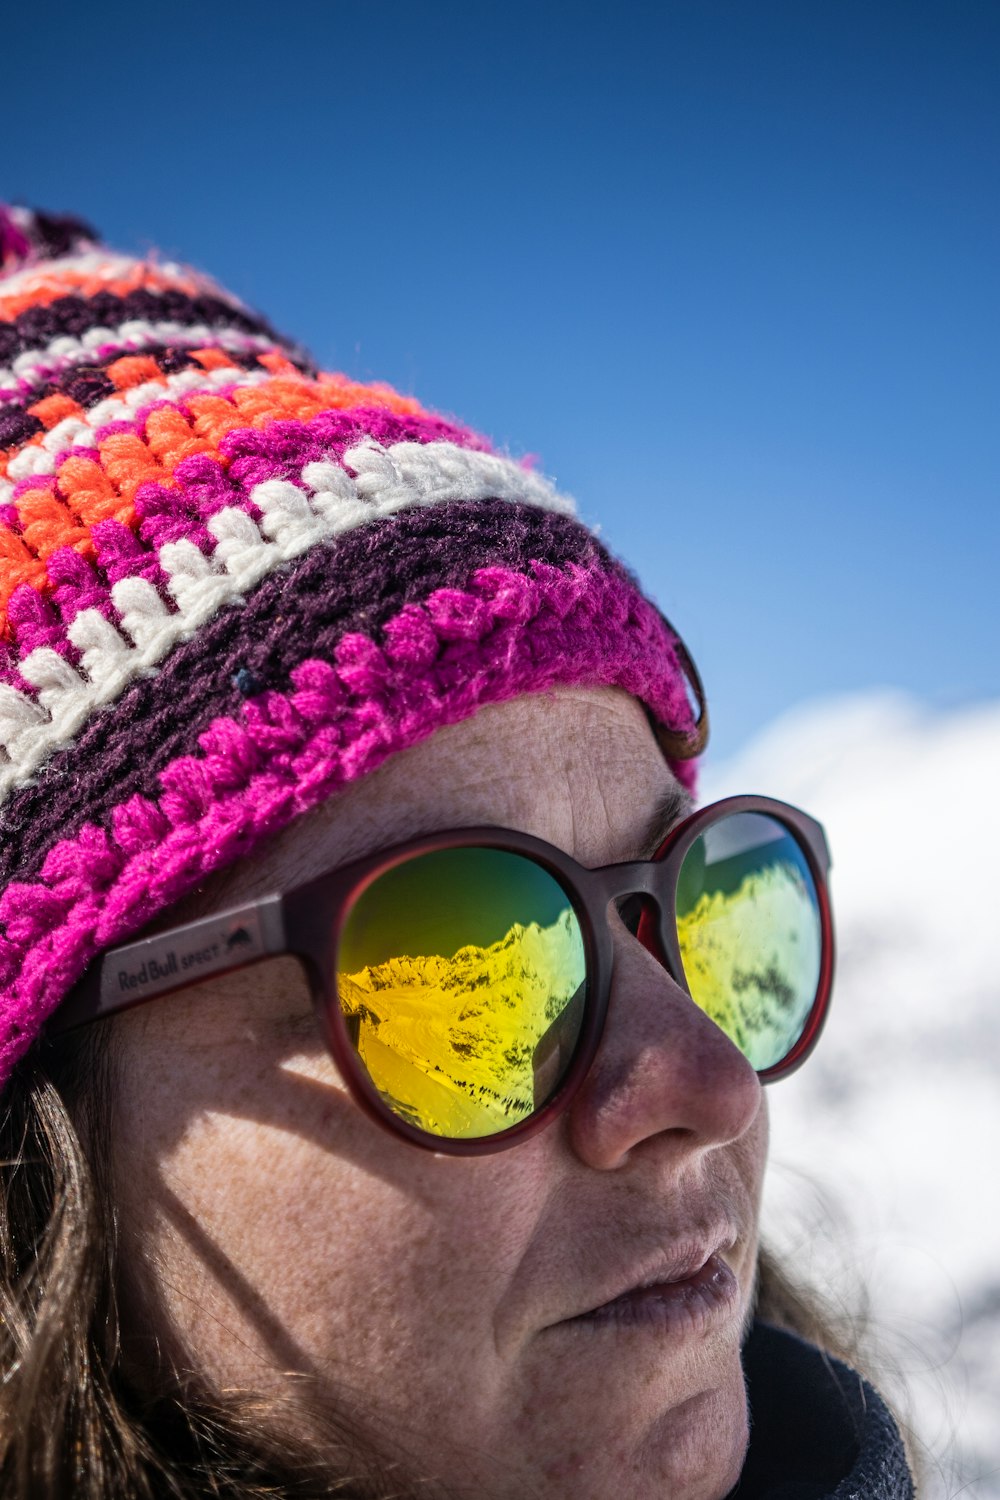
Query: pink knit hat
point(231, 584)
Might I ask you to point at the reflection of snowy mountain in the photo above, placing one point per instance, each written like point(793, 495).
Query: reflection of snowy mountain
point(523, 961)
point(895, 1122)
point(458, 1044)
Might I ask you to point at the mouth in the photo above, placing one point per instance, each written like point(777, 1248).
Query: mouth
point(693, 1298)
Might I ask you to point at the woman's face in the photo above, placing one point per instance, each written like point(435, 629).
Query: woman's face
point(471, 1309)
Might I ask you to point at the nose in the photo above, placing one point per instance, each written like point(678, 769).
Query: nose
point(663, 1072)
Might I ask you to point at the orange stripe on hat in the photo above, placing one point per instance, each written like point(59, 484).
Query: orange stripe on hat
point(48, 522)
point(218, 359)
point(88, 489)
point(128, 462)
point(18, 564)
point(55, 408)
point(45, 289)
point(343, 393)
point(213, 416)
point(133, 369)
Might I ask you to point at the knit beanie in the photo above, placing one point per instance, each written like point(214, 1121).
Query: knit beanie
point(231, 584)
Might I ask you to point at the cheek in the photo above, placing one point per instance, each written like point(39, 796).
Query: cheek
point(756, 1146)
point(320, 1244)
point(749, 1161)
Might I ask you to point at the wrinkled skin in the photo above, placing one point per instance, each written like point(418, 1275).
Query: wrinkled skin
point(284, 1231)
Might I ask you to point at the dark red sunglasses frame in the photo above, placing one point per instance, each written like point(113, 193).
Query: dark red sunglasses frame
point(306, 922)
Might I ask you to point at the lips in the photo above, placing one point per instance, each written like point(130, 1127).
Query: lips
point(692, 1289)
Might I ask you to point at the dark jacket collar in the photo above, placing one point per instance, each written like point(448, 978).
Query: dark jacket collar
point(818, 1431)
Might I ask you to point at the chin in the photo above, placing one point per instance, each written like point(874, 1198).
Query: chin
point(697, 1450)
point(693, 1449)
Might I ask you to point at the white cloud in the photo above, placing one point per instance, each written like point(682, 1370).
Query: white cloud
point(895, 1120)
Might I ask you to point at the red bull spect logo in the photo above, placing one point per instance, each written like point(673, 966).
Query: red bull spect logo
point(217, 943)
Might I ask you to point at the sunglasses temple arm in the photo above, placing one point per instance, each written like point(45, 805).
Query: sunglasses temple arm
point(170, 960)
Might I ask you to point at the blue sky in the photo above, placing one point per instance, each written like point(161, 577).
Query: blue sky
point(728, 269)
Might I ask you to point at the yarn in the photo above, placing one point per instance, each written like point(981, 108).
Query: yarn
point(231, 584)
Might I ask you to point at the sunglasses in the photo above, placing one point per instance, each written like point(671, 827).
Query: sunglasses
point(461, 980)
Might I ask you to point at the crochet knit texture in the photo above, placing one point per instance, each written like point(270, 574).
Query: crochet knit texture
point(230, 584)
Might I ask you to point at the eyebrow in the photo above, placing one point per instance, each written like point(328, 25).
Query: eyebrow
point(670, 807)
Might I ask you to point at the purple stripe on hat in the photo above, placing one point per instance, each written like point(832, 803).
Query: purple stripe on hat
point(356, 583)
point(17, 426)
point(10, 673)
point(75, 314)
point(15, 245)
point(504, 635)
point(78, 585)
point(40, 236)
point(52, 369)
point(122, 555)
point(34, 623)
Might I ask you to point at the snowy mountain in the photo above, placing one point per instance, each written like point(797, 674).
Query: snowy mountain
point(885, 1146)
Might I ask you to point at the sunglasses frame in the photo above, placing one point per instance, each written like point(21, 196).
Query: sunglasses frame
point(307, 921)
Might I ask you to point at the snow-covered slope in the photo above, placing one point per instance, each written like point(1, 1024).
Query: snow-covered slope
point(886, 1145)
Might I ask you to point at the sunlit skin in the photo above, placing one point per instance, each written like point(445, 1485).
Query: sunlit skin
point(283, 1231)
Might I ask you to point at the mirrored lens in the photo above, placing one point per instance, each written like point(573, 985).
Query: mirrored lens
point(750, 934)
point(462, 976)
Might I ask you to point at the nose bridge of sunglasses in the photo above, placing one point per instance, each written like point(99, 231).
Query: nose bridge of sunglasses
point(641, 878)
point(634, 892)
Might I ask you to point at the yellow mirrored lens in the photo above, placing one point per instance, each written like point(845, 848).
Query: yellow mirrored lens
point(750, 935)
point(461, 974)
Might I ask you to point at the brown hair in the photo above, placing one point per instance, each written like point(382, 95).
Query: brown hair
point(70, 1420)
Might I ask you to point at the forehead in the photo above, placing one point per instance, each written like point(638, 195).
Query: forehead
point(578, 767)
